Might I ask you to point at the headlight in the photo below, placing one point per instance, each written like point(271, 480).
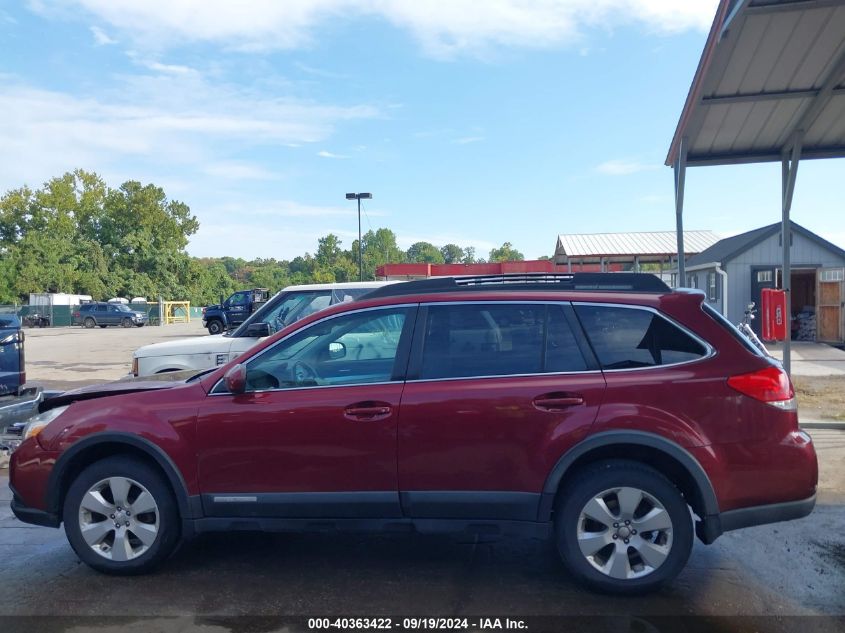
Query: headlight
point(37, 423)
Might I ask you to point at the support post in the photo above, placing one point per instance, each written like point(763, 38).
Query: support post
point(360, 247)
point(789, 171)
point(680, 171)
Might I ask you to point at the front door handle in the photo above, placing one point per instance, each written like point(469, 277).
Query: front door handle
point(557, 401)
point(367, 411)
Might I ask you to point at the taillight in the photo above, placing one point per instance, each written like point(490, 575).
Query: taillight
point(770, 385)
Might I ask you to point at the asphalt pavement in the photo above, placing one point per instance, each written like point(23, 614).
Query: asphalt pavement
point(756, 579)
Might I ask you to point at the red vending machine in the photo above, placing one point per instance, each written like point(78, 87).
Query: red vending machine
point(773, 315)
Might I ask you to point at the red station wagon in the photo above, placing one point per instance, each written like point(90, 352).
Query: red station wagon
point(607, 412)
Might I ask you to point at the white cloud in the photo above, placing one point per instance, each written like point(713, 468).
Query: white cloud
point(618, 167)
point(168, 120)
point(326, 154)
point(442, 28)
point(237, 170)
point(100, 37)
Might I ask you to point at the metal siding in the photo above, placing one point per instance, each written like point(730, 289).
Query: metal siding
point(638, 243)
point(767, 49)
point(826, 128)
point(739, 289)
point(805, 253)
point(733, 123)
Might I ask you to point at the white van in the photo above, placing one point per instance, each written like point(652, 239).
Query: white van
point(286, 307)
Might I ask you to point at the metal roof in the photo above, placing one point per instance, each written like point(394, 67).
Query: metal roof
point(731, 247)
point(770, 70)
point(653, 244)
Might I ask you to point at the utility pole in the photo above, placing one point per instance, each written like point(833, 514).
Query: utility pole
point(359, 197)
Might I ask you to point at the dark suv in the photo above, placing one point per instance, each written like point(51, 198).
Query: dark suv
point(104, 314)
point(607, 412)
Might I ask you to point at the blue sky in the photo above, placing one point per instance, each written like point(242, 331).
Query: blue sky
point(471, 122)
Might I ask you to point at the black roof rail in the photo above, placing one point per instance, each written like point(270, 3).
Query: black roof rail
point(585, 282)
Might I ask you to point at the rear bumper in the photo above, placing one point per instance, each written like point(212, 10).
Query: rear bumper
point(713, 526)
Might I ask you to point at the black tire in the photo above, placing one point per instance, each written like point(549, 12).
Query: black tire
point(215, 326)
point(104, 326)
point(168, 515)
point(127, 322)
point(602, 476)
point(89, 322)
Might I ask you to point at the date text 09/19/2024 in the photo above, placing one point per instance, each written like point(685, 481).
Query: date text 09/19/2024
point(410, 624)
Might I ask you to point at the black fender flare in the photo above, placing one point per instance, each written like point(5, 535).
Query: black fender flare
point(639, 438)
point(187, 505)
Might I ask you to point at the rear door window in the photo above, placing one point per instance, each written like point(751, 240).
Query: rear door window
point(478, 340)
point(629, 338)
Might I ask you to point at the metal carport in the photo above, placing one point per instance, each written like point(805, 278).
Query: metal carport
point(769, 87)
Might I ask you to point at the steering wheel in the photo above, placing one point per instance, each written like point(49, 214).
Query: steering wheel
point(304, 374)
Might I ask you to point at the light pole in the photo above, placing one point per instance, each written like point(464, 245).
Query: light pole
point(359, 197)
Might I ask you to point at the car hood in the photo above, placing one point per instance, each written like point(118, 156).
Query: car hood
point(119, 387)
point(216, 343)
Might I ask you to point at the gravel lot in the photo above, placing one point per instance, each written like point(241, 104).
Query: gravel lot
point(65, 358)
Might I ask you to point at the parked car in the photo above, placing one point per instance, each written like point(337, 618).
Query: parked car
point(36, 319)
point(17, 400)
point(104, 314)
point(606, 412)
point(12, 358)
point(286, 307)
point(231, 312)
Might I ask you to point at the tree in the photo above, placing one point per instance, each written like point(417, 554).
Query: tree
point(424, 253)
point(506, 253)
point(379, 248)
point(469, 256)
point(452, 254)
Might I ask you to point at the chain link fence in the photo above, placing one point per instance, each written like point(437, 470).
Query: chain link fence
point(49, 315)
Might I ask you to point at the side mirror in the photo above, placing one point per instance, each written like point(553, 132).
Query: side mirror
point(258, 330)
point(235, 379)
point(337, 351)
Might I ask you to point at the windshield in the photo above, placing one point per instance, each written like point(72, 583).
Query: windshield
point(124, 308)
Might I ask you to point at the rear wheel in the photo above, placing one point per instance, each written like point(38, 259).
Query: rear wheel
point(120, 516)
point(622, 527)
point(89, 322)
point(215, 326)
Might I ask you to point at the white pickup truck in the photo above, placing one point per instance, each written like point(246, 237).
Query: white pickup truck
point(287, 306)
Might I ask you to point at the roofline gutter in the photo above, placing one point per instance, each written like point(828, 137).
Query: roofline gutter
point(697, 85)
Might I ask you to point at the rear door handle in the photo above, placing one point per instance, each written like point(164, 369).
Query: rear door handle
point(557, 402)
point(366, 411)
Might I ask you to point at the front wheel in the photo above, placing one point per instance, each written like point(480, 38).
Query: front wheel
point(127, 322)
point(120, 516)
point(215, 327)
point(623, 528)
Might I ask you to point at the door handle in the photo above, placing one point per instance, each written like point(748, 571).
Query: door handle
point(366, 411)
point(557, 401)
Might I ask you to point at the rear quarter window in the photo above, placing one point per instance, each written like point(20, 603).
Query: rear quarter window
point(630, 338)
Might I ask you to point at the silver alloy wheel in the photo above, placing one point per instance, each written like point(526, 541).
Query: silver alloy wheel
point(118, 518)
point(625, 533)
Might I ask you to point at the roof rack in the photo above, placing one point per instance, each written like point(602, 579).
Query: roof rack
point(585, 282)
